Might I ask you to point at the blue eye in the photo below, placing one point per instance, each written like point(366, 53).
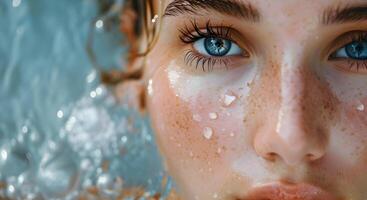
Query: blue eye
point(217, 47)
point(354, 50)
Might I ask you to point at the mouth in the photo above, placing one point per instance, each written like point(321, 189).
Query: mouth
point(281, 191)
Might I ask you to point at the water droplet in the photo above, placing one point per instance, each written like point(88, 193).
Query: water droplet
point(3, 154)
point(213, 115)
point(99, 90)
point(208, 133)
point(155, 19)
point(231, 134)
point(93, 94)
point(92, 76)
point(16, 3)
point(99, 24)
point(60, 114)
point(191, 154)
point(219, 150)
point(360, 107)
point(229, 99)
point(196, 117)
point(215, 195)
point(150, 87)
point(24, 129)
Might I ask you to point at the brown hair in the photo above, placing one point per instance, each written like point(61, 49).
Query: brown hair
point(140, 25)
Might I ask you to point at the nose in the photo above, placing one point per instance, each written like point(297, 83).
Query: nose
point(296, 132)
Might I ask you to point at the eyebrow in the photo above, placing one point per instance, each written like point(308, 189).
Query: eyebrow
point(337, 15)
point(227, 7)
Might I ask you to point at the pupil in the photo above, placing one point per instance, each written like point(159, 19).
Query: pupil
point(217, 46)
point(357, 50)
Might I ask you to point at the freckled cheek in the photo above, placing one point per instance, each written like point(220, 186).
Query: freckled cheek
point(199, 130)
point(355, 117)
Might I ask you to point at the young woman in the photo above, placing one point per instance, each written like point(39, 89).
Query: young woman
point(256, 99)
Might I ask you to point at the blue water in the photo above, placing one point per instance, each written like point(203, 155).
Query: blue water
point(58, 125)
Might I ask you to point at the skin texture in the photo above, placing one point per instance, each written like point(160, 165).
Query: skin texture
point(294, 115)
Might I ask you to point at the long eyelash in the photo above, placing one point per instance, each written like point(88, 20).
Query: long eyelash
point(188, 37)
point(358, 37)
point(207, 63)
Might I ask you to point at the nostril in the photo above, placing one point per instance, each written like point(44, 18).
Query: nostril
point(271, 156)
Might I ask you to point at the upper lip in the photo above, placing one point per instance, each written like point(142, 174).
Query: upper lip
point(282, 191)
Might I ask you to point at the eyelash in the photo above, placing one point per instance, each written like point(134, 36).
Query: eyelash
point(188, 37)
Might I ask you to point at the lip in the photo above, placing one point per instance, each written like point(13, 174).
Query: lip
point(282, 191)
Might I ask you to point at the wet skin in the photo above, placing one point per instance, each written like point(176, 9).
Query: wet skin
point(284, 112)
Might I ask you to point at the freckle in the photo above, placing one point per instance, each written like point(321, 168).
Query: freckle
point(213, 115)
point(208, 133)
point(360, 107)
point(196, 117)
point(228, 99)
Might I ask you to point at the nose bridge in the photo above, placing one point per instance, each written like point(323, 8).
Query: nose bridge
point(293, 137)
point(293, 142)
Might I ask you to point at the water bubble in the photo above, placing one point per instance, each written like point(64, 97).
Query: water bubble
point(93, 94)
point(99, 90)
point(58, 173)
point(24, 129)
point(16, 3)
point(213, 115)
point(92, 76)
point(229, 99)
point(99, 24)
point(3, 154)
point(109, 185)
point(10, 191)
point(208, 133)
point(360, 107)
point(60, 114)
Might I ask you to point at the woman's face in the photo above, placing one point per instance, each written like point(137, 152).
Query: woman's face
point(262, 99)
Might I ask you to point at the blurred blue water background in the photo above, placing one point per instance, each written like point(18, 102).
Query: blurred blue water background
point(61, 131)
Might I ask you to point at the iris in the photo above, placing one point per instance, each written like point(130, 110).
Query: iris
point(357, 50)
point(218, 46)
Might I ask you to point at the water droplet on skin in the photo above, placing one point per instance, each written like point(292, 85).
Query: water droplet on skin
point(360, 107)
point(196, 117)
point(208, 133)
point(229, 99)
point(215, 195)
point(213, 116)
point(231, 134)
point(191, 154)
point(219, 150)
point(150, 87)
